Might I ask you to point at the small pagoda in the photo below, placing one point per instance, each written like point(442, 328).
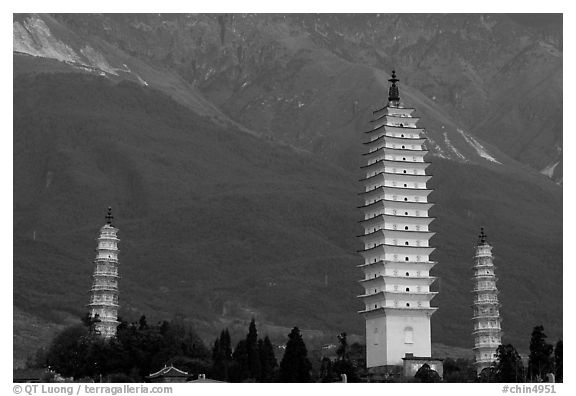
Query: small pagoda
point(396, 237)
point(487, 331)
point(104, 292)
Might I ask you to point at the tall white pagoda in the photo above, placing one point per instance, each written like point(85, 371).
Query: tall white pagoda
point(487, 331)
point(396, 237)
point(104, 292)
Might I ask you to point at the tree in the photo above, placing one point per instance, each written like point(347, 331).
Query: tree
point(254, 367)
point(508, 366)
point(64, 355)
point(540, 360)
point(221, 356)
point(558, 361)
point(426, 374)
point(268, 361)
point(459, 370)
point(344, 364)
point(326, 373)
point(488, 374)
point(295, 366)
point(240, 358)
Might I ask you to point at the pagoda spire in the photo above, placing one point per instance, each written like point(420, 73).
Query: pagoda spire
point(482, 237)
point(109, 216)
point(393, 92)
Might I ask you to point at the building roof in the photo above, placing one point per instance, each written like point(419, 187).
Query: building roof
point(170, 371)
point(205, 380)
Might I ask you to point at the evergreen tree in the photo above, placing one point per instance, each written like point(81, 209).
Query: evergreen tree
point(268, 361)
point(221, 357)
point(508, 366)
point(426, 374)
point(254, 366)
point(226, 344)
point(295, 366)
point(240, 358)
point(558, 362)
point(540, 360)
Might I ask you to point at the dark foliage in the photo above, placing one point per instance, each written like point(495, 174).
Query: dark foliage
point(344, 364)
point(558, 362)
point(254, 368)
point(459, 370)
point(222, 357)
point(253, 359)
point(136, 351)
point(508, 366)
point(295, 366)
point(268, 363)
point(426, 374)
point(540, 360)
point(488, 374)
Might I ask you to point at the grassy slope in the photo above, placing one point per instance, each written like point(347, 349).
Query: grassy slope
point(214, 221)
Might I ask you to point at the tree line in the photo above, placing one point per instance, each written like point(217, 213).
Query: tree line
point(140, 349)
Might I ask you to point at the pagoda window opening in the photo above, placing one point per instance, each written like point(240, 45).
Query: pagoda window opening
point(406, 243)
point(406, 259)
point(403, 146)
point(403, 158)
point(405, 185)
point(404, 170)
point(407, 289)
point(406, 227)
point(405, 199)
point(402, 135)
point(407, 273)
point(407, 304)
point(406, 213)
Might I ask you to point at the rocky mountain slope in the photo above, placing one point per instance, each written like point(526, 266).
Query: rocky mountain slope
point(229, 147)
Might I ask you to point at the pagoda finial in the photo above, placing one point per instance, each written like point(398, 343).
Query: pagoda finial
point(482, 237)
point(393, 93)
point(109, 216)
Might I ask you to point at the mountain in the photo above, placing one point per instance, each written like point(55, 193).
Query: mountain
point(229, 148)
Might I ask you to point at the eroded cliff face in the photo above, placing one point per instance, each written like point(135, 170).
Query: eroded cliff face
point(496, 76)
